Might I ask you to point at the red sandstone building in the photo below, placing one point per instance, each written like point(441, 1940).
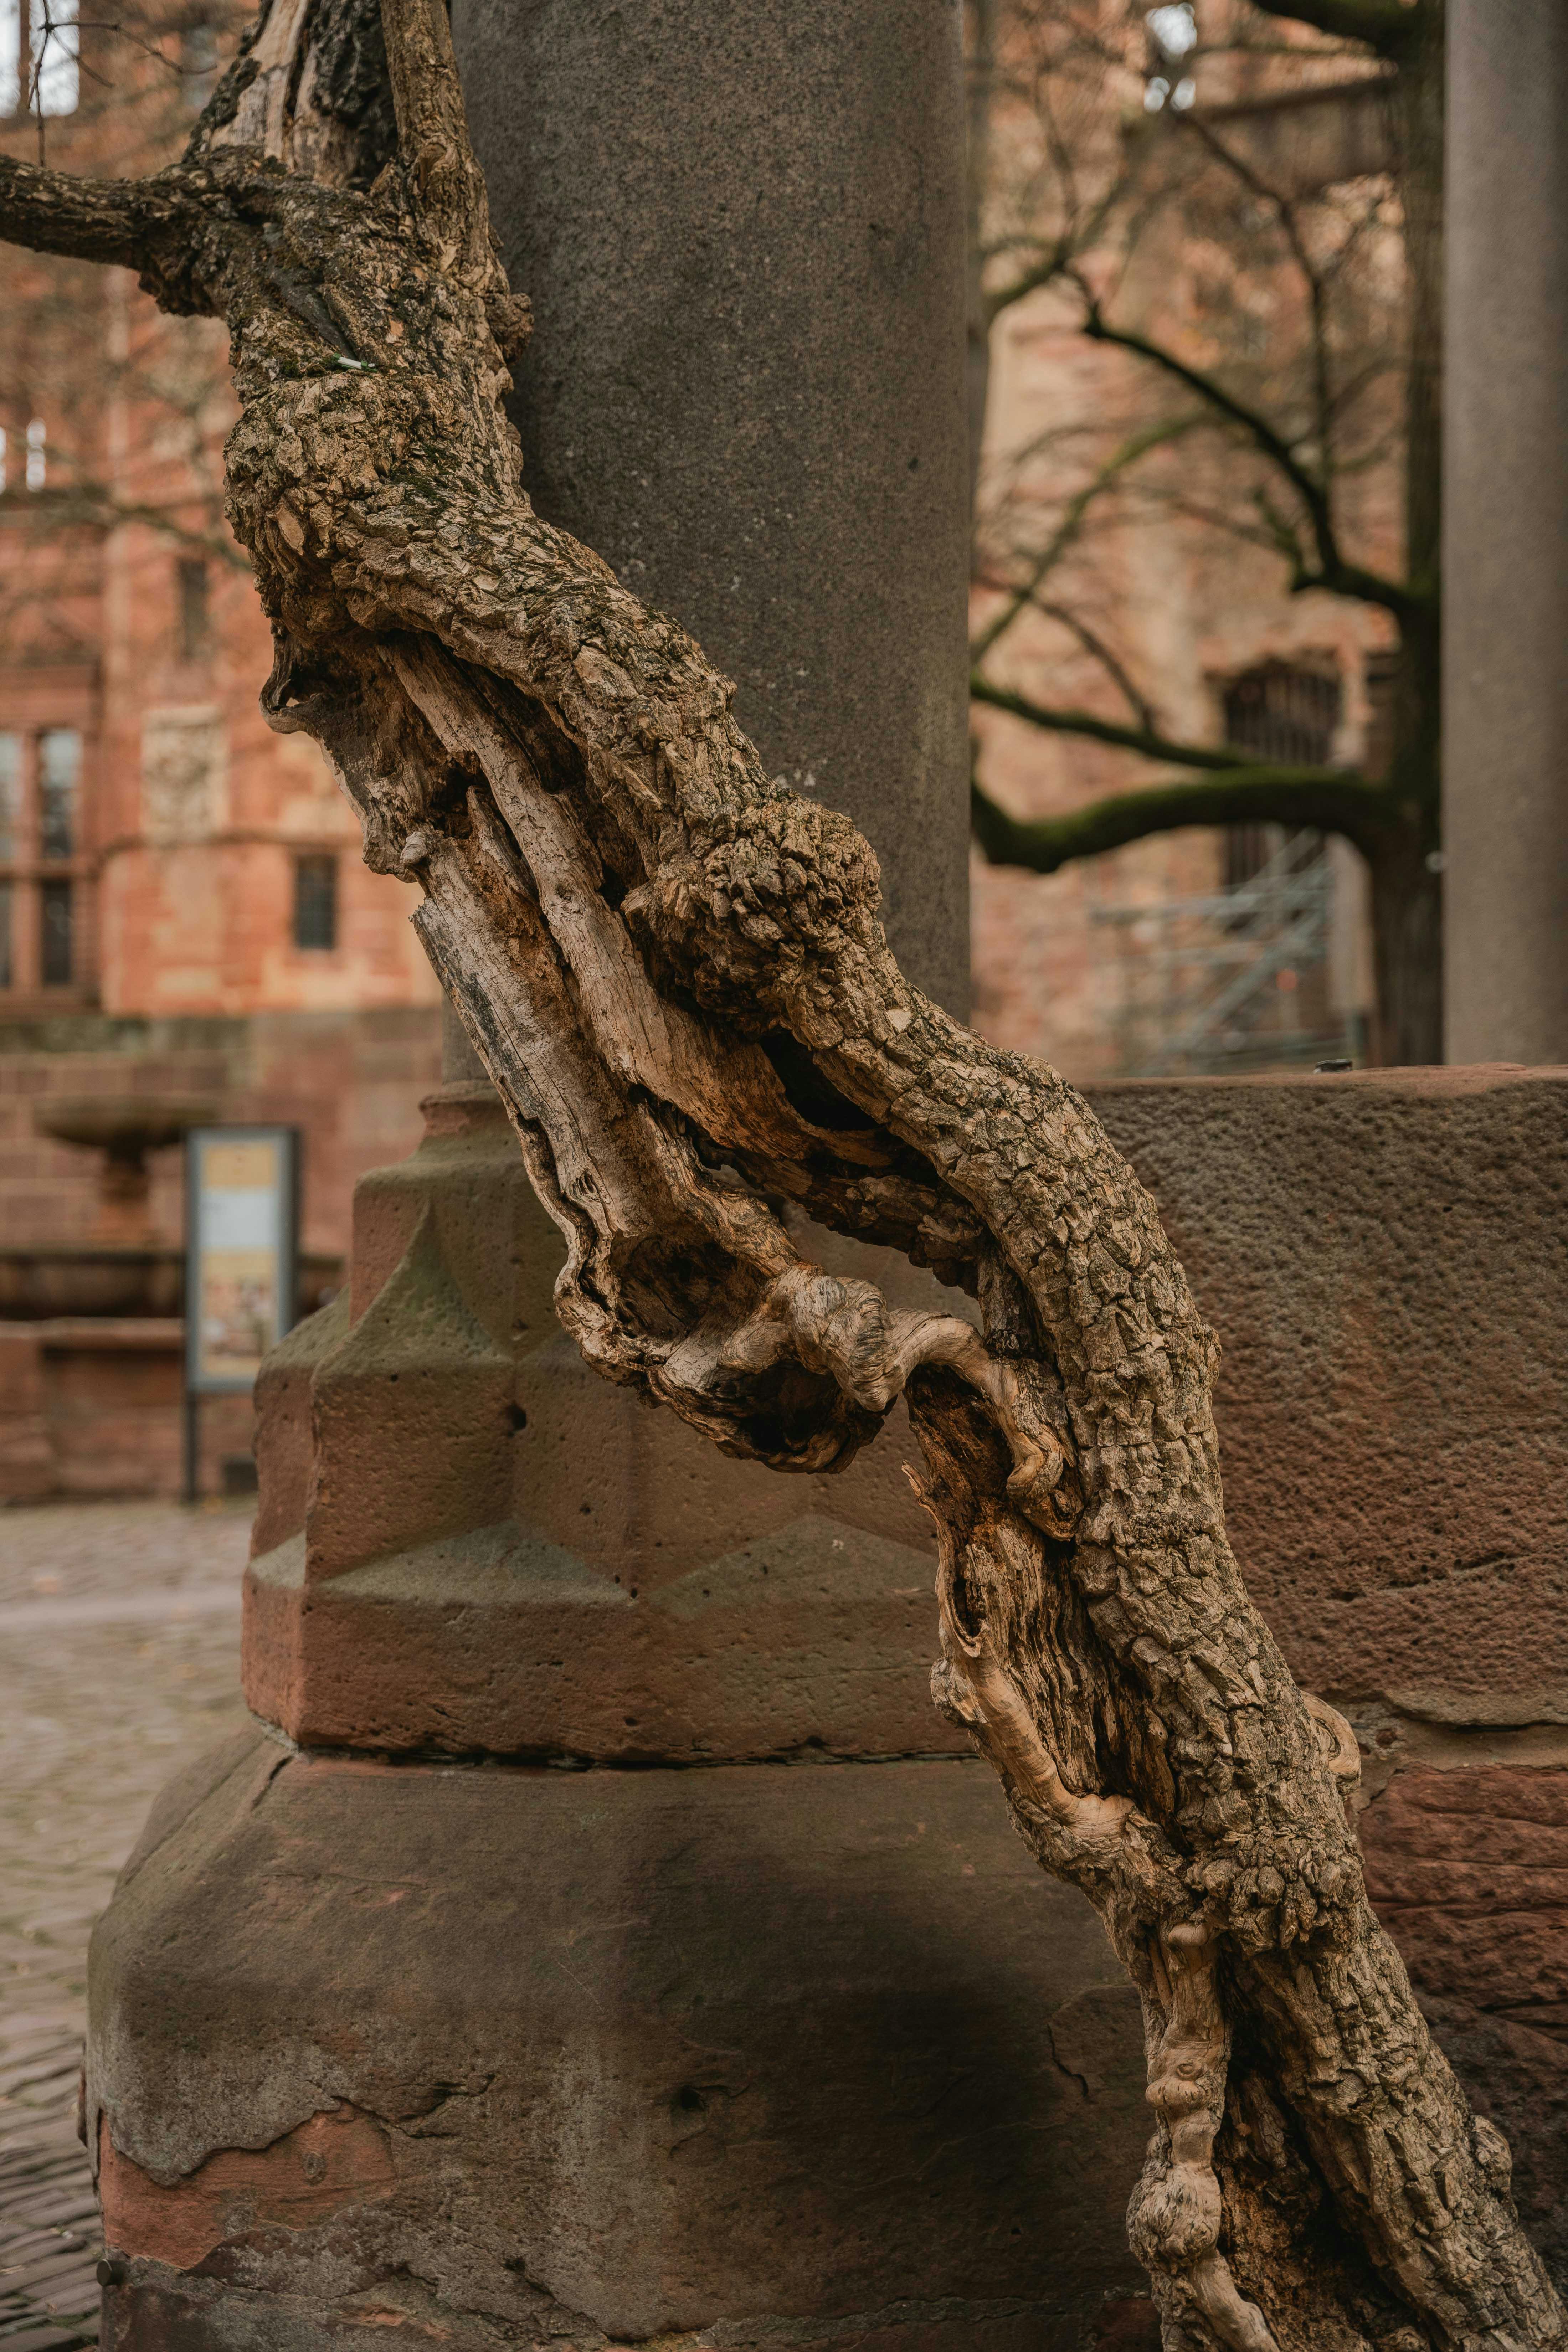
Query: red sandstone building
point(186, 929)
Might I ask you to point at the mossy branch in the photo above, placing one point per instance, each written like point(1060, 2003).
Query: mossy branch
point(1319, 800)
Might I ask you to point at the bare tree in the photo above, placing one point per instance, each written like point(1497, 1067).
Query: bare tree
point(1289, 431)
point(675, 972)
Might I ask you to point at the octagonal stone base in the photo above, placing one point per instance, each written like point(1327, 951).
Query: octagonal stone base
point(786, 2055)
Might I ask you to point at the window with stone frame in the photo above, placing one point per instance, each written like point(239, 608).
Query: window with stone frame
point(194, 607)
point(1290, 716)
point(45, 869)
point(316, 901)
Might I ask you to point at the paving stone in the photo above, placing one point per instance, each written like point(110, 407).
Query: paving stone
point(119, 1659)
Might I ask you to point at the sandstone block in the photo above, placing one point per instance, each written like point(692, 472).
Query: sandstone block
point(603, 2055)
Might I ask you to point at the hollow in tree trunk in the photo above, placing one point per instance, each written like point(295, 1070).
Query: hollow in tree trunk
point(674, 971)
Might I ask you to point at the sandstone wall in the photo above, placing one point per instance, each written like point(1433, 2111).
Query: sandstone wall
point(1385, 1255)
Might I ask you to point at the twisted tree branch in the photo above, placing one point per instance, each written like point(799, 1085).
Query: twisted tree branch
point(92, 220)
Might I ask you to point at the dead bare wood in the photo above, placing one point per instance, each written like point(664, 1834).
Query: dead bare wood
point(674, 970)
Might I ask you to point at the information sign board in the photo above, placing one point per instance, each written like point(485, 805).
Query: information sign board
point(242, 1250)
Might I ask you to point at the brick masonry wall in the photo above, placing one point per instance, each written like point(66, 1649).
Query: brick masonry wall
point(127, 614)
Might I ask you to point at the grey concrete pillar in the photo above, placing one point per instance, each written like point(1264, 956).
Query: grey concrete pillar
point(1506, 533)
point(740, 224)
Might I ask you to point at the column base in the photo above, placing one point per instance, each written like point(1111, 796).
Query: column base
point(781, 2056)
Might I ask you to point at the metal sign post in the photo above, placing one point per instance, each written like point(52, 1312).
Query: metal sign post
point(242, 1254)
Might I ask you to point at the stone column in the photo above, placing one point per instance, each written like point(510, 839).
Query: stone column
point(740, 226)
point(606, 1938)
point(1506, 529)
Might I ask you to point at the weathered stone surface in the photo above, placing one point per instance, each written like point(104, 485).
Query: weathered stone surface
point(1396, 1350)
point(815, 1635)
point(333, 2158)
point(1323, 1222)
point(1468, 1869)
point(797, 2055)
point(156, 2310)
point(1128, 2327)
point(1382, 1256)
point(469, 1542)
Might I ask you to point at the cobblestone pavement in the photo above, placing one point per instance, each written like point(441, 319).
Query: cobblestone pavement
point(119, 1660)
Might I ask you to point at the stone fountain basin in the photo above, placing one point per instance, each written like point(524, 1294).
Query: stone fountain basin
point(37, 1284)
point(125, 1126)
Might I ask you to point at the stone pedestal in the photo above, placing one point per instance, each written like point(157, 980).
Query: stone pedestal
point(606, 1939)
point(748, 2056)
point(469, 1544)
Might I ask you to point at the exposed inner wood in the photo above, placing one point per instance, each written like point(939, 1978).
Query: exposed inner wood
point(675, 972)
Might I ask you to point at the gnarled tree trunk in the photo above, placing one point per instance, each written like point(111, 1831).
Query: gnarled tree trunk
point(674, 970)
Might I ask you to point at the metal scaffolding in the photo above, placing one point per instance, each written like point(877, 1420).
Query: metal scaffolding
point(1235, 979)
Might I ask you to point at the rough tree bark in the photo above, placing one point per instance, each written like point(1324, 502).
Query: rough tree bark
point(675, 972)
